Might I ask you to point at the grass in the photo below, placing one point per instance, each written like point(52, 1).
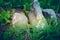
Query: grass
point(52, 32)
point(30, 32)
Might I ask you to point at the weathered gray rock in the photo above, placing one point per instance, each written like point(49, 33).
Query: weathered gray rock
point(32, 17)
point(49, 13)
point(35, 16)
point(19, 18)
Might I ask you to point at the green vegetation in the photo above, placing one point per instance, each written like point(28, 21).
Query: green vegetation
point(8, 4)
point(51, 32)
point(28, 32)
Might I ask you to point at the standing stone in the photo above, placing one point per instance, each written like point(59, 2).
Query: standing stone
point(50, 12)
point(19, 18)
point(35, 16)
point(52, 18)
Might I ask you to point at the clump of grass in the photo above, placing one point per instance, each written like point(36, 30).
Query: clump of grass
point(30, 32)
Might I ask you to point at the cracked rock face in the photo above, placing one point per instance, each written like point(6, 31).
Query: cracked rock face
point(32, 18)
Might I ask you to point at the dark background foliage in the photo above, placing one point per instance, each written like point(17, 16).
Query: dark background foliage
point(53, 4)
